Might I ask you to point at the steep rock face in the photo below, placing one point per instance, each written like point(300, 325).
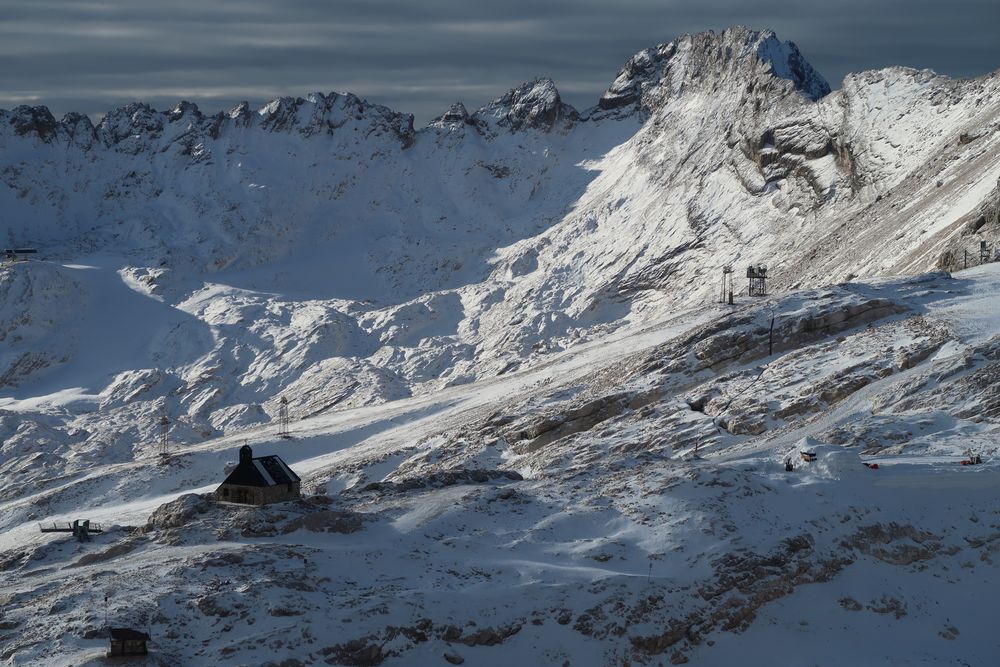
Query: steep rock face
point(700, 60)
point(31, 121)
point(534, 105)
point(241, 115)
point(456, 115)
point(914, 183)
point(77, 129)
point(788, 63)
point(131, 128)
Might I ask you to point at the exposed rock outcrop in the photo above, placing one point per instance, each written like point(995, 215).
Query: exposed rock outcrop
point(535, 105)
point(699, 60)
point(178, 512)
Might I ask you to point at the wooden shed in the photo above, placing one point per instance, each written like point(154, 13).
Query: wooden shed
point(259, 481)
point(126, 641)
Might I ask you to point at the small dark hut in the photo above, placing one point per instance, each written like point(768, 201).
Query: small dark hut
point(259, 481)
point(14, 254)
point(126, 641)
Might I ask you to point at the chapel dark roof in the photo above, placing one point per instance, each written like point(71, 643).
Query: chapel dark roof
point(128, 634)
point(260, 471)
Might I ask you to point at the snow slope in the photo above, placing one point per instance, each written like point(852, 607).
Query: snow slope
point(559, 514)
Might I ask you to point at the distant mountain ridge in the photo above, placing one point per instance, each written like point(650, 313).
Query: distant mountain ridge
point(535, 104)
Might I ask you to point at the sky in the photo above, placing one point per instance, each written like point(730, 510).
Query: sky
point(419, 56)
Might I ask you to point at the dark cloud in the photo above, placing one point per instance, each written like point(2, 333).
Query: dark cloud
point(418, 57)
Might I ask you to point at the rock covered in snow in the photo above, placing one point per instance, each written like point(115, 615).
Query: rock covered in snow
point(178, 512)
point(534, 105)
point(31, 121)
point(701, 60)
point(456, 116)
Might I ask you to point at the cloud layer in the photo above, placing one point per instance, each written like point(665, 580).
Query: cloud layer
point(419, 57)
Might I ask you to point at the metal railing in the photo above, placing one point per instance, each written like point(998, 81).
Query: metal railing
point(70, 527)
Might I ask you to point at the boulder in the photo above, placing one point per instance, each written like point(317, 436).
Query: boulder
point(178, 512)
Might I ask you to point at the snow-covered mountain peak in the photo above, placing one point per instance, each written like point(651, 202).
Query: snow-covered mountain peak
point(324, 114)
point(30, 121)
point(707, 60)
point(787, 62)
point(240, 111)
point(77, 128)
point(187, 111)
point(133, 125)
point(532, 105)
point(456, 115)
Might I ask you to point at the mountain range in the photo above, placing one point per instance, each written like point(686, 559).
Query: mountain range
point(203, 267)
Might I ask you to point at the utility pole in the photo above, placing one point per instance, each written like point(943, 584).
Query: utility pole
point(164, 430)
point(283, 418)
point(726, 295)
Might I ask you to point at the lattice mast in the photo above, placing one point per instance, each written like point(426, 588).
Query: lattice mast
point(757, 277)
point(164, 445)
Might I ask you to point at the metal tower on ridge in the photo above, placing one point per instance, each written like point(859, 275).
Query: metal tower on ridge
point(164, 430)
point(757, 275)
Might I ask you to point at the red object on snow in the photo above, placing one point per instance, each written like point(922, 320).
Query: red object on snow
point(873, 466)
